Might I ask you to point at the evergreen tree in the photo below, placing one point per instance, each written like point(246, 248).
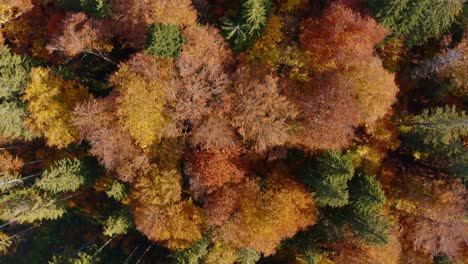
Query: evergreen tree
point(65, 176)
point(364, 212)
point(117, 191)
point(14, 74)
point(327, 177)
point(12, 117)
point(253, 18)
point(164, 41)
point(438, 132)
point(96, 8)
point(118, 224)
point(29, 205)
point(193, 254)
point(418, 20)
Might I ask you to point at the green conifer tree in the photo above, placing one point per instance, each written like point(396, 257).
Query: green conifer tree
point(29, 205)
point(327, 177)
point(249, 25)
point(438, 132)
point(96, 8)
point(12, 126)
point(164, 41)
point(117, 191)
point(66, 175)
point(14, 74)
point(118, 224)
point(418, 20)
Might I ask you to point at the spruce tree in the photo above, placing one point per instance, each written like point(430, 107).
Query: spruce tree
point(249, 25)
point(438, 132)
point(66, 175)
point(14, 74)
point(117, 191)
point(365, 209)
point(96, 8)
point(418, 20)
point(29, 205)
point(164, 41)
point(12, 117)
point(327, 177)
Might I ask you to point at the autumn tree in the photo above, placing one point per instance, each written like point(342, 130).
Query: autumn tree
point(340, 39)
point(419, 21)
point(151, 82)
point(327, 176)
point(51, 100)
point(211, 170)
point(261, 114)
point(259, 223)
point(202, 67)
point(81, 34)
point(12, 9)
point(214, 134)
point(96, 121)
point(431, 210)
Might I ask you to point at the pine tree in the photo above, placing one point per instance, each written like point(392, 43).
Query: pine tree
point(418, 20)
point(66, 175)
point(14, 74)
point(193, 254)
point(12, 117)
point(164, 41)
point(327, 177)
point(438, 132)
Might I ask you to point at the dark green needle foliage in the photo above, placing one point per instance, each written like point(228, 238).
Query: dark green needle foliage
point(96, 8)
point(164, 41)
point(66, 175)
point(418, 20)
point(438, 132)
point(327, 177)
point(193, 254)
point(12, 116)
point(14, 74)
point(365, 209)
point(253, 18)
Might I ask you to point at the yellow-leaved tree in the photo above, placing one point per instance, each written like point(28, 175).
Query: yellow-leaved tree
point(146, 85)
point(51, 100)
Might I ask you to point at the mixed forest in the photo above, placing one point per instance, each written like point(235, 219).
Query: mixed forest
point(233, 131)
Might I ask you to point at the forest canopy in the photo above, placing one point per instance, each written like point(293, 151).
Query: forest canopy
point(236, 132)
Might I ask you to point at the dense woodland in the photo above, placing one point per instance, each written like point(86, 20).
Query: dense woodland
point(233, 131)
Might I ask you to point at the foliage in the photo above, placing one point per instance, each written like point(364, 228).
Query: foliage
point(14, 74)
point(81, 34)
point(29, 206)
point(12, 121)
point(96, 8)
point(437, 131)
point(418, 21)
point(252, 20)
point(118, 224)
point(66, 175)
point(261, 115)
point(51, 100)
point(117, 191)
point(327, 176)
point(164, 40)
